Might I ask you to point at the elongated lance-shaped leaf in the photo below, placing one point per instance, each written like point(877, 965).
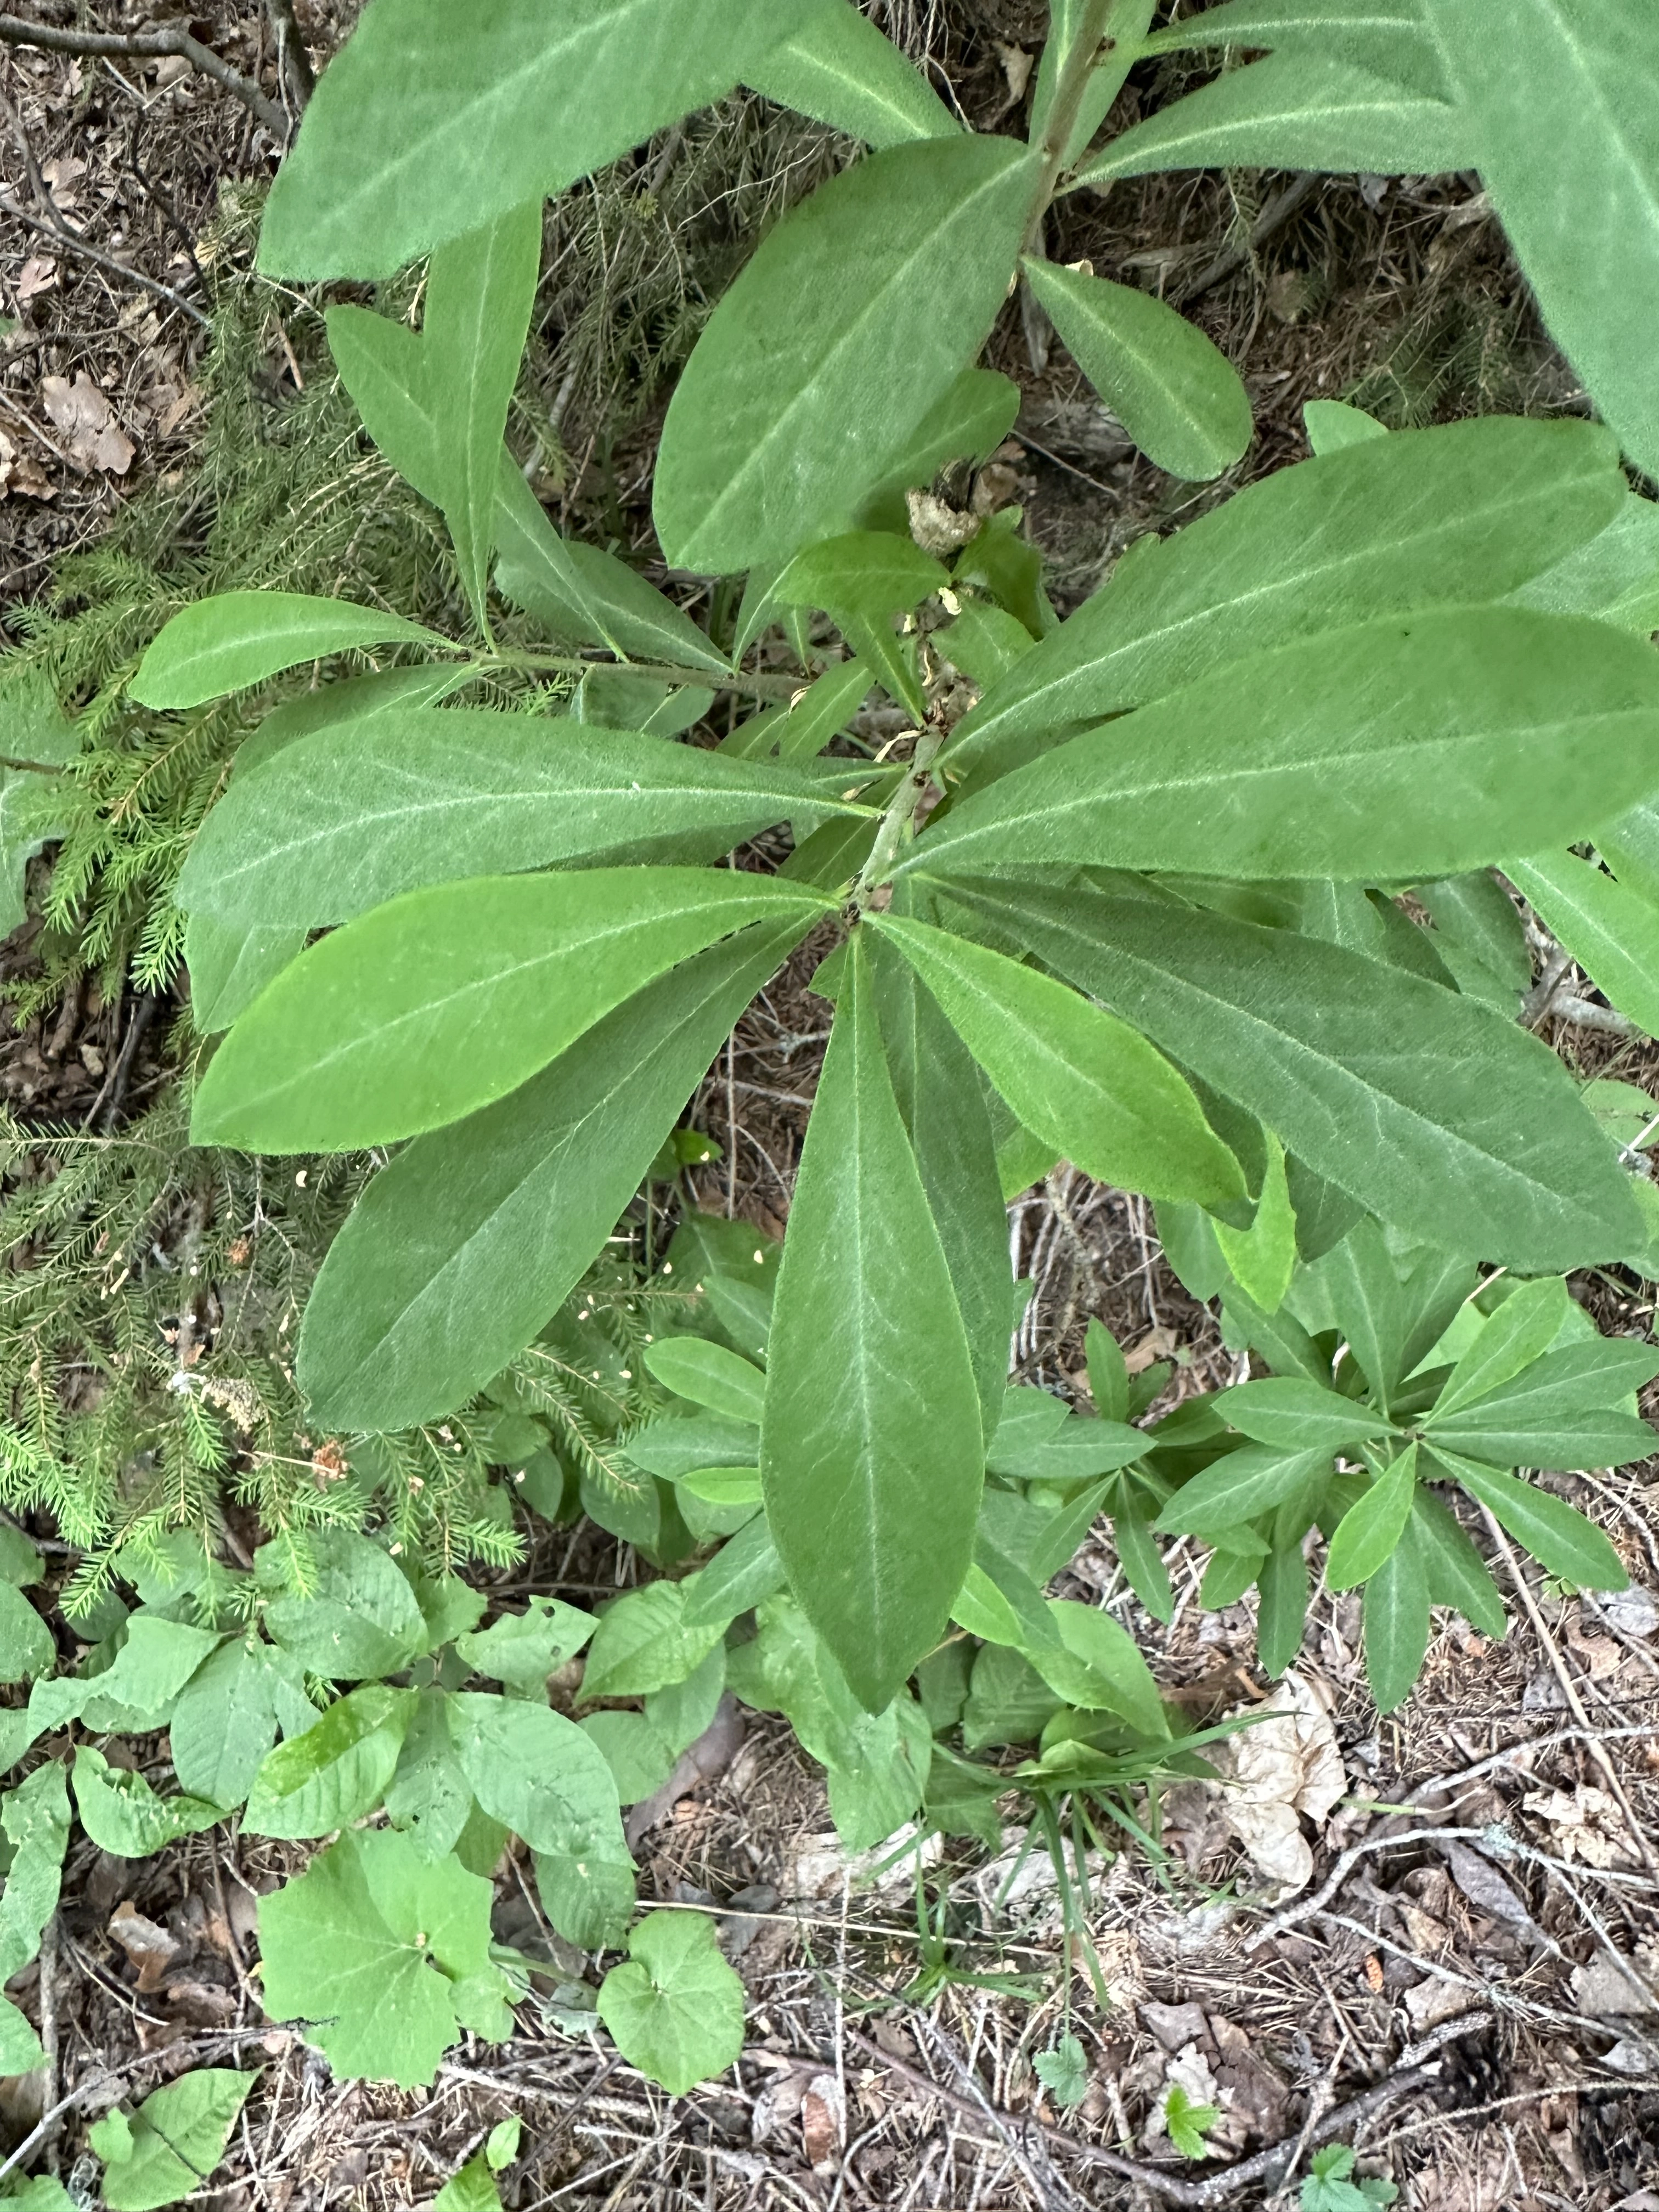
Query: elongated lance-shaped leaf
point(342, 820)
point(1610, 931)
point(862, 580)
point(871, 1451)
point(1390, 38)
point(1295, 111)
point(433, 1004)
point(1309, 1037)
point(1396, 1615)
point(430, 123)
point(584, 595)
point(479, 293)
point(1559, 1537)
point(1077, 1076)
point(835, 66)
point(1614, 575)
point(1581, 77)
point(1415, 746)
point(943, 1102)
point(236, 639)
point(1459, 514)
point(1373, 1525)
point(1172, 388)
point(229, 966)
point(858, 313)
point(458, 1252)
point(382, 364)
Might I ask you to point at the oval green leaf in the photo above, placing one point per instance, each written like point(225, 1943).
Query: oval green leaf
point(236, 639)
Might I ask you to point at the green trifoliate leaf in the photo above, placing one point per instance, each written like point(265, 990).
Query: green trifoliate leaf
point(334, 1772)
point(1559, 1537)
point(498, 1218)
point(169, 2148)
point(1461, 513)
point(828, 352)
point(871, 1456)
point(1416, 746)
point(1305, 1035)
point(523, 1648)
point(235, 639)
point(1295, 111)
point(835, 66)
point(123, 1815)
point(1369, 1531)
point(1064, 2072)
point(1396, 1617)
point(432, 1005)
point(709, 1375)
point(1174, 392)
point(1331, 426)
point(382, 1957)
point(355, 813)
point(1078, 1076)
point(432, 124)
point(1583, 77)
point(675, 2010)
point(361, 1616)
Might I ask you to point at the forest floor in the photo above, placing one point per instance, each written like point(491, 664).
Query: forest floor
point(1438, 1987)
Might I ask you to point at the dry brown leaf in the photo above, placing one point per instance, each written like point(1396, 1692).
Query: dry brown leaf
point(820, 2119)
point(1487, 1891)
point(80, 411)
point(1587, 1825)
point(1603, 1990)
point(1157, 1344)
point(1282, 1768)
point(61, 173)
point(150, 1947)
point(39, 274)
point(1430, 2003)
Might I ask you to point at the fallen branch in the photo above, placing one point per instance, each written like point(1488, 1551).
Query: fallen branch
point(150, 46)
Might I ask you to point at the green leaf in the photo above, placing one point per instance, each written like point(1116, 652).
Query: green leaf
point(677, 1444)
point(36, 1819)
point(1143, 1564)
point(586, 596)
point(828, 350)
point(26, 1645)
point(1556, 1413)
point(1423, 519)
point(523, 1648)
point(1476, 1139)
point(1174, 390)
point(435, 1004)
point(1614, 575)
point(498, 1218)
point(675, 2009)
point(1263, 1256)
point(1369, 1531)
point(382, 364)
point(1369, 1304)
point(229, 966)
point(1302, 1417)
point(642, 1644)
point(1396, 1617)
point(1458, 1575)
point(334, 1772)
point(1240, 1486)
point(470, 2189)
point(156, 1661)
point(941, 1099)
point(537, 1774)
point(1408, 747)
point(862, 581)
point(709, 1375)
point(372, 1948)
point(1295, 111)
point(479, 294)
point(1064, 2072)
point(429, 1797)
point(1331, 425)
point(430, 124)
point(871, 1447)
point(502, 2144)
point(1522, 1330)
point(171, 2144)
point(1108, 1375)
point(235, 639)
point(355, 813)
point(1584, 81)
point(360, 1618)
point(1080, 1079)
point(744, 1572)
point(1390, 38)
point(816, 715)
point(1610, 931)
point(639, 1756)
point(1097, 1666)
point(1282, 1614)
point(31, 728)
point(1187, 2122)
point(123, 1814)
point(1559, 1537)
point(835, 66)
